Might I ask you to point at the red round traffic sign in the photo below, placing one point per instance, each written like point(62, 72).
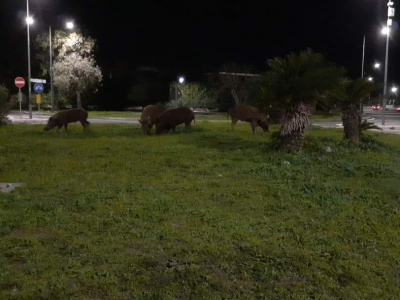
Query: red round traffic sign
point(19, 82)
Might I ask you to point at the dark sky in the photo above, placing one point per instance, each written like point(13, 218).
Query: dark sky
point(191, 35)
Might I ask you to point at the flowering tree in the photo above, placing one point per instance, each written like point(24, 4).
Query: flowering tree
point(75, 69)
point(195, 95)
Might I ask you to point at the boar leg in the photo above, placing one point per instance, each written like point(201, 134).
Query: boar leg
point(234, 122)
point(59, 128)
point(254, 126)
point(66, 126)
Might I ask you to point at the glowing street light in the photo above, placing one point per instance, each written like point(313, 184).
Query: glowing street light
point(377, 66)
point(70, 25)
point(370, 79)
point(181, 80)
point(385, 31)
point(30, 21)
point(394, 89)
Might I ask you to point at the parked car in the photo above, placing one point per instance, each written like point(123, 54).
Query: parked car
point(376, 107)
point(398, 109)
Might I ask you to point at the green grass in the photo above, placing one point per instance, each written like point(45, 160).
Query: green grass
point(327, 117)
point(136, 115)
point(206, 214)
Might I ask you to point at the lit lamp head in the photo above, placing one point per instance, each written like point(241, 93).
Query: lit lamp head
point(70, 25)
point(181, 80)
point(394, 89)
point(30, 21)
point(377, 66)
point(370, 79)
point(386, 30)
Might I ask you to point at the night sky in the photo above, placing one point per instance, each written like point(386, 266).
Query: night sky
point(197, 36)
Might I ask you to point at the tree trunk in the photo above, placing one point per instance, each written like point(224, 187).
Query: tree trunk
point(79, 100)
point(235, 96)
point(351, 118)
point(294, 124)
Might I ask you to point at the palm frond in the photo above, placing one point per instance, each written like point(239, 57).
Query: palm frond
point(365, 125)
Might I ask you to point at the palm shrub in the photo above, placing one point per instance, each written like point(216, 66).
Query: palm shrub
point(295, 83)
point(354, 91)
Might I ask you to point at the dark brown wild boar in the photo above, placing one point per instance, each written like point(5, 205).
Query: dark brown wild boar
point(149, 117)
point(251, 115)
point(63, 118)
point(172, 118)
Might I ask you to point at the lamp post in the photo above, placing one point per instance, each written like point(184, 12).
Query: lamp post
point(181, 81)
point(386, 30)
point(29, 22)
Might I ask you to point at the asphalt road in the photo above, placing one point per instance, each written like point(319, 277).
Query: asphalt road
point(392, 120)
point(44, 117)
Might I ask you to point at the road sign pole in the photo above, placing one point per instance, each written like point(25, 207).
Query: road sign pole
point(20, 103)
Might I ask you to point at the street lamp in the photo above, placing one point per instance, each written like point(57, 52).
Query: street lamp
point(370, 79)
point(29, 22)
point(377, 66)
point(394, 89)
point(181, 80)
point(386, 31)
point(70, 25)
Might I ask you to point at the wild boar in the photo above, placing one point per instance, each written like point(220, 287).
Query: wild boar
point(172, 118)
point(63, 118)
point(149, 117)
point(251, 115)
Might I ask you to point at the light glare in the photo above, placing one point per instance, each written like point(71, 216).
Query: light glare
point(70, 25)
point(30, 20)
point(386, 31)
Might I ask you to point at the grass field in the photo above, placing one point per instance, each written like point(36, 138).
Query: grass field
point(206, 214)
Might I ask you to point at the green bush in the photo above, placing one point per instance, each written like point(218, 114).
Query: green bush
point(5, 105)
